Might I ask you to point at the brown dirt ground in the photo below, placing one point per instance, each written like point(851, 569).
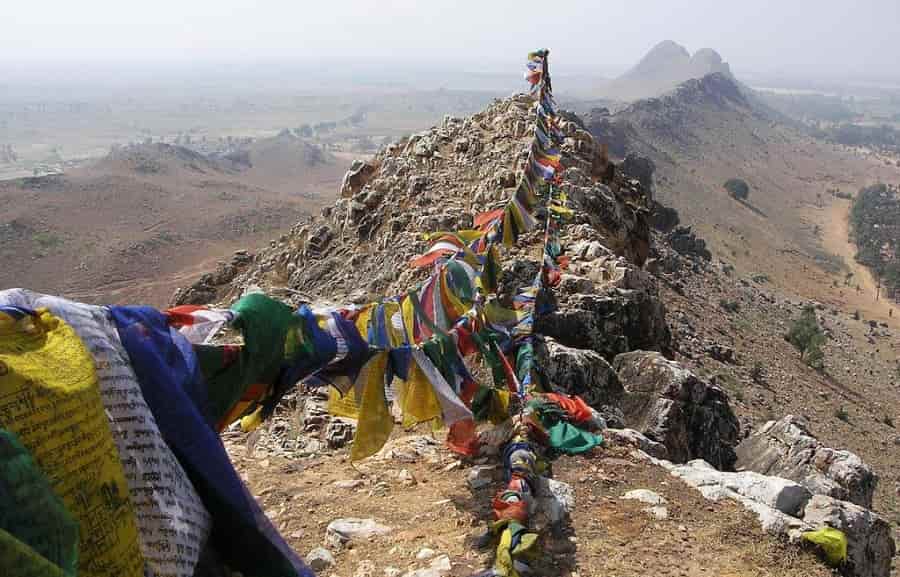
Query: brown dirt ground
point(115, 234)
point(607, 536)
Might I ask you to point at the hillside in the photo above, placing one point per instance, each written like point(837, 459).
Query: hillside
point(665, 66)
point(130, 226)
point(710, 130)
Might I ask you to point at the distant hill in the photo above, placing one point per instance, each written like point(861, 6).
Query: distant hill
point(128, 226)
point(663, 68)
point(709, 130)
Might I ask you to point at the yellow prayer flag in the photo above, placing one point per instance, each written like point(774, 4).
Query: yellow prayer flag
point(343, 406)
point(52, 399)
point(375, 421)
point(419, 403)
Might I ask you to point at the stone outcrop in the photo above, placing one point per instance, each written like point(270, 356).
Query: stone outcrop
point(787, 449)
point(579, 372)
point(637, 440)
point(788, 509)
point(686, 243)
point(780, 494)
point(208, 287)
point(671, 405)
point(609, 323)
point(870, 545)
point(356, 178)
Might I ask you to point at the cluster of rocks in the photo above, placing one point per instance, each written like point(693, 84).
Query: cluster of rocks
point(786, 448)
point(794, 485)
point(210, 286)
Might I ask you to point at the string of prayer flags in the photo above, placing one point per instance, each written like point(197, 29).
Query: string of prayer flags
point(534, 72)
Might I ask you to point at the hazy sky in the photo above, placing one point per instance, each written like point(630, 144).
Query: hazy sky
point(835, 38)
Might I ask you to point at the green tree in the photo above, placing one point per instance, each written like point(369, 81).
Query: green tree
point(737, 188)
point(807, 336)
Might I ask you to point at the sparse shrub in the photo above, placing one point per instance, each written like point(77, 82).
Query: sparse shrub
point(758, 372)
point(46, 240)
point(842, 414)
point(761, 278)
point(888, 420)
point(737, 188)
point(730, 306)
point(807, 336)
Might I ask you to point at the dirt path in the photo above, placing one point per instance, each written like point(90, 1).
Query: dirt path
point(836, 240)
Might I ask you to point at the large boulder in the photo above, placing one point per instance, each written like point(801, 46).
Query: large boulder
point(870, 546)
point(636, 440)
point(780, 494)
point(610, 323)
point(787, 449)
point(671, 405)
point(775, 501)
point(686, 243)
point(641, 168)
point(625, 226)
point(579, 372)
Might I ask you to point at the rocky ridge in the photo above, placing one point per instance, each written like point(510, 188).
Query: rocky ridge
point(606, 338)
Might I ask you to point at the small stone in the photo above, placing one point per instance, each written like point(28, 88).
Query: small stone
point(439, 567)
point(340, 531)
point(406, 477)
point(481, 476)
point(645, 496)
point(425, 553)
point(660, 512)
point(392, 572)
point(348, 484)
point(319, 559)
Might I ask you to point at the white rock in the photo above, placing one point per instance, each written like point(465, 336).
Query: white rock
point(555, 499)
point(659, 512)
point(787, 448)
point(348, 483)
point(645, 496)
point(781, 494)
point(481, 476)
point(340, 531)
point(425, 553)
point(319, 559)
point(439, 567)
point(870, 545)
